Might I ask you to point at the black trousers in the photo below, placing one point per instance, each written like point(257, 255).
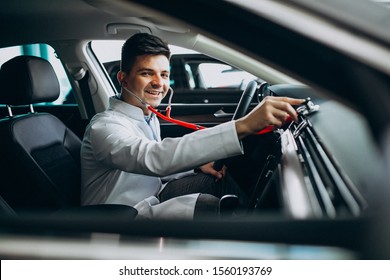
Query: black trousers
point(210, 190)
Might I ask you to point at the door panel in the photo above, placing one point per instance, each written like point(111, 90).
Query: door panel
point(207, 115)
point(201, 114)
point(203, 96)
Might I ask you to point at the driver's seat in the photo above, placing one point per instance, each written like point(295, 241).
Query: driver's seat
point(39, 155)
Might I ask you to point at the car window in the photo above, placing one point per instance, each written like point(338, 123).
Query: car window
point(192, 74)
point(219, 75)
point(47, 52)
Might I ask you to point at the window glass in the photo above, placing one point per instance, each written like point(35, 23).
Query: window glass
point(47, 52)
point(218, 75)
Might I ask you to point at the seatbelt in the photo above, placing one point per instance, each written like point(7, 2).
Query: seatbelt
point(86, 94)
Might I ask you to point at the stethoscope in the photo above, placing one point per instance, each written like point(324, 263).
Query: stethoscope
point(167, 117)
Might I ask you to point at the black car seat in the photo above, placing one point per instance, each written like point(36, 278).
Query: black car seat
point(39, 155)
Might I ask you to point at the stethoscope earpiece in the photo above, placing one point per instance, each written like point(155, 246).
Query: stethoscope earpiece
point(170, 92)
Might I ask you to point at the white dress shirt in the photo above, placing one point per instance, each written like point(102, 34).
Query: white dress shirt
point(123, 159)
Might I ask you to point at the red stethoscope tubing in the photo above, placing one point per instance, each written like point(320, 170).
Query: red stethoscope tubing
point(192, 126)
point(168, 118)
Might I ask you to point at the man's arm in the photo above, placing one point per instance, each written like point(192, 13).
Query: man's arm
point(271, 111)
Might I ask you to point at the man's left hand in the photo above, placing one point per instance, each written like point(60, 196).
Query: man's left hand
point(208, 169)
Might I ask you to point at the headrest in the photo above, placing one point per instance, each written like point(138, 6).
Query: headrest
point(26, 80)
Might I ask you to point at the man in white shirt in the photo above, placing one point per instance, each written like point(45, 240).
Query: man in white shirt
point(124, 160)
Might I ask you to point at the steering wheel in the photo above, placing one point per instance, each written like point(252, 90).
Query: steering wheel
point(263, 91)
point(241, 110)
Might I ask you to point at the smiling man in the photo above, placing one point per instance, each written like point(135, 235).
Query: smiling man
point(124, 160)
point(147, 79)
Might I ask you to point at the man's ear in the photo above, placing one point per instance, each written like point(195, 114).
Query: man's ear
point(121, 76)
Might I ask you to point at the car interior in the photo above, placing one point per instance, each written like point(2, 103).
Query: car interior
point(321, 182)
point(40, 156)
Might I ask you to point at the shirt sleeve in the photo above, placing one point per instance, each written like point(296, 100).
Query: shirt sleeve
point(124, 148)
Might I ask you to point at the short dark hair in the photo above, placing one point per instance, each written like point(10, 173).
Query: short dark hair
point(141, 44)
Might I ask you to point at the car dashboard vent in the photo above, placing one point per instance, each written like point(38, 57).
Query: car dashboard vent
point(313, 184)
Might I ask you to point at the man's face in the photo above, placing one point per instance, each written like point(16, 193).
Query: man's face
point(148, 79)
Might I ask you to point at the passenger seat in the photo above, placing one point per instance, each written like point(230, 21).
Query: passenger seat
point(39, 155)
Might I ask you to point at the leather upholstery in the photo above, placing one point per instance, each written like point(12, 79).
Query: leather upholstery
point(41, 159)
point(38, 152)
point(27, 80)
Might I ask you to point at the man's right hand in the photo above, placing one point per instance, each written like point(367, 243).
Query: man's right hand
point(272, 111)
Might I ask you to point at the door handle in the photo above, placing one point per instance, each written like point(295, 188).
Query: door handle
point(222, 114)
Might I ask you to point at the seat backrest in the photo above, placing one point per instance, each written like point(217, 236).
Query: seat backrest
point(39, 155)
